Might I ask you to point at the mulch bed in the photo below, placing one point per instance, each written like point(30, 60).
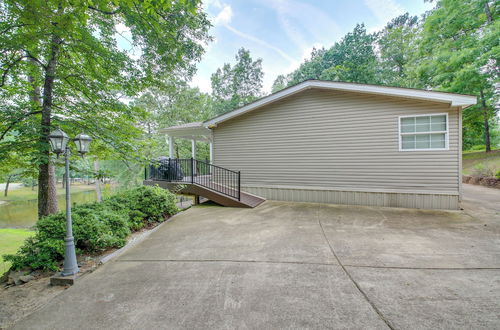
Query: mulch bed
point(486, 181)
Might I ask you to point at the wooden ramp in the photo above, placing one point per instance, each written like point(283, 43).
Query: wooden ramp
point(246, 200)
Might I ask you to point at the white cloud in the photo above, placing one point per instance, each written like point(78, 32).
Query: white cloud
point(260, 42)
point(304, 24)
point(224, 16)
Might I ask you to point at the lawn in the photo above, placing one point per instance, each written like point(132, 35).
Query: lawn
point(472, 160)
point(10, 240)
point(26, 194)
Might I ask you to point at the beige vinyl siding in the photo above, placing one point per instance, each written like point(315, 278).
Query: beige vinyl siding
point(321, 138)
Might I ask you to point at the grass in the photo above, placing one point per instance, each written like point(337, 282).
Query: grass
point(26, 194)
point(472, 160)
point(10, 240)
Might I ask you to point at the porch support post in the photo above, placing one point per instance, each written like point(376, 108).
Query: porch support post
point(171, 147)
point(211, 145)
point(193, 156)
point(193, 149)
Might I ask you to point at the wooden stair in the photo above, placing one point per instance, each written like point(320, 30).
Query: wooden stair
point(246, 200)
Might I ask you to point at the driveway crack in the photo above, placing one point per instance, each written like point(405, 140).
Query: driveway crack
point(372, 304)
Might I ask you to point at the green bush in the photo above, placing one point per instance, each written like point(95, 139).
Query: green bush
point(498, 175)
point(96, 226)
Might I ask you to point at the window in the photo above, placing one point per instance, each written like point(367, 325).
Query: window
point(423, 132)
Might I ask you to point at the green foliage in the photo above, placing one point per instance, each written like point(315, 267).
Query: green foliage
point(397, 46)
point(459, 51)
point(482, 170)
point(352, 59)
point(234, 86)
point(174, 104)
point(498, 175)
point(96, 226)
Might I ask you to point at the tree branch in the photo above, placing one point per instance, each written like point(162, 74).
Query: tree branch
point(106, 12)
point(6, 70)
point(11, 126)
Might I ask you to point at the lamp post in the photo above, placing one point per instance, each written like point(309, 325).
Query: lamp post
point(59, 144)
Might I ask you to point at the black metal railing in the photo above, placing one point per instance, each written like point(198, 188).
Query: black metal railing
point(198, 172)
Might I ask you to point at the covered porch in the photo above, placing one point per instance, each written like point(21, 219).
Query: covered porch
point(194, 132)
point(198, 177)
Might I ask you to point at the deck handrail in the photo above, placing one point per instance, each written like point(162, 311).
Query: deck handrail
point(194, 171)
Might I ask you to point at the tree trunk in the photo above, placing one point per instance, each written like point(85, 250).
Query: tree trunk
point(487, 11)
point(7, 185)
point(97, 181)
point(487, 140)
point(47, 196)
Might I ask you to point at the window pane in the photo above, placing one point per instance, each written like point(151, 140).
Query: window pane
point(438, 127)
point(423, 124)
point(423, 141)
point(408, 142)
point(408, 125)
point(438, 119)
point(408, 121)
point(407, 128)
point(438, 141)
point(438, 123)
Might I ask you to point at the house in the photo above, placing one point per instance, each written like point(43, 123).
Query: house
point(342, 143)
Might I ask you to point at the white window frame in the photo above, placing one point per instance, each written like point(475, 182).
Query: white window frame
point(446, 133)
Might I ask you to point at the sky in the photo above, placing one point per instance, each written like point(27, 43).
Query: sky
point(283, 32)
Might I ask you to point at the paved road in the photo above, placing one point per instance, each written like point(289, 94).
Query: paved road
point(293, 265)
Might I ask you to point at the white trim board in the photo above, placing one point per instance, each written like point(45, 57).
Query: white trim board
point(453, 100)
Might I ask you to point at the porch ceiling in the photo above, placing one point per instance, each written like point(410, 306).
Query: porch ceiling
point(192, 131)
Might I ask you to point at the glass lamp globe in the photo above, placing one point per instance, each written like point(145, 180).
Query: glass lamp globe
point(82, 142)
point(58, 141)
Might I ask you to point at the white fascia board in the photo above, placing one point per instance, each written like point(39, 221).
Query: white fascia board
point(453, 100)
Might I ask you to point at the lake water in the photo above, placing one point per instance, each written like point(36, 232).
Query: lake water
point(23, 214)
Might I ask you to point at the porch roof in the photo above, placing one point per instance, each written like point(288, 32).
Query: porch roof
point(192, 131)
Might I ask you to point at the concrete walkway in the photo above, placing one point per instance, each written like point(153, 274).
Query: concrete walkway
point(291, 265)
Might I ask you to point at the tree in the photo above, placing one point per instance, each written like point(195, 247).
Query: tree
point(279, 83)
point(62, 66)
point(312, 68)
point(234, 86)
point(177, 103)
point(352, 59)
point(459, 52)
point(397, 46)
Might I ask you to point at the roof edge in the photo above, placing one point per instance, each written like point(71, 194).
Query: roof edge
point(454, 100)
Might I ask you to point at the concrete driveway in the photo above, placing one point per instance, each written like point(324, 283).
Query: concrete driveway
point(292, 265)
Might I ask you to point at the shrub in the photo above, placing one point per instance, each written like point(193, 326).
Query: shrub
point(96, 226)
point(482, 169)
point(498, 175)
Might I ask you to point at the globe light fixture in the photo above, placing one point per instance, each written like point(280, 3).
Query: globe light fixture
point(58, 141)
point(82, 142)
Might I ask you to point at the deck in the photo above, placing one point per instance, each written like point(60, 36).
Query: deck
point(200, 178)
